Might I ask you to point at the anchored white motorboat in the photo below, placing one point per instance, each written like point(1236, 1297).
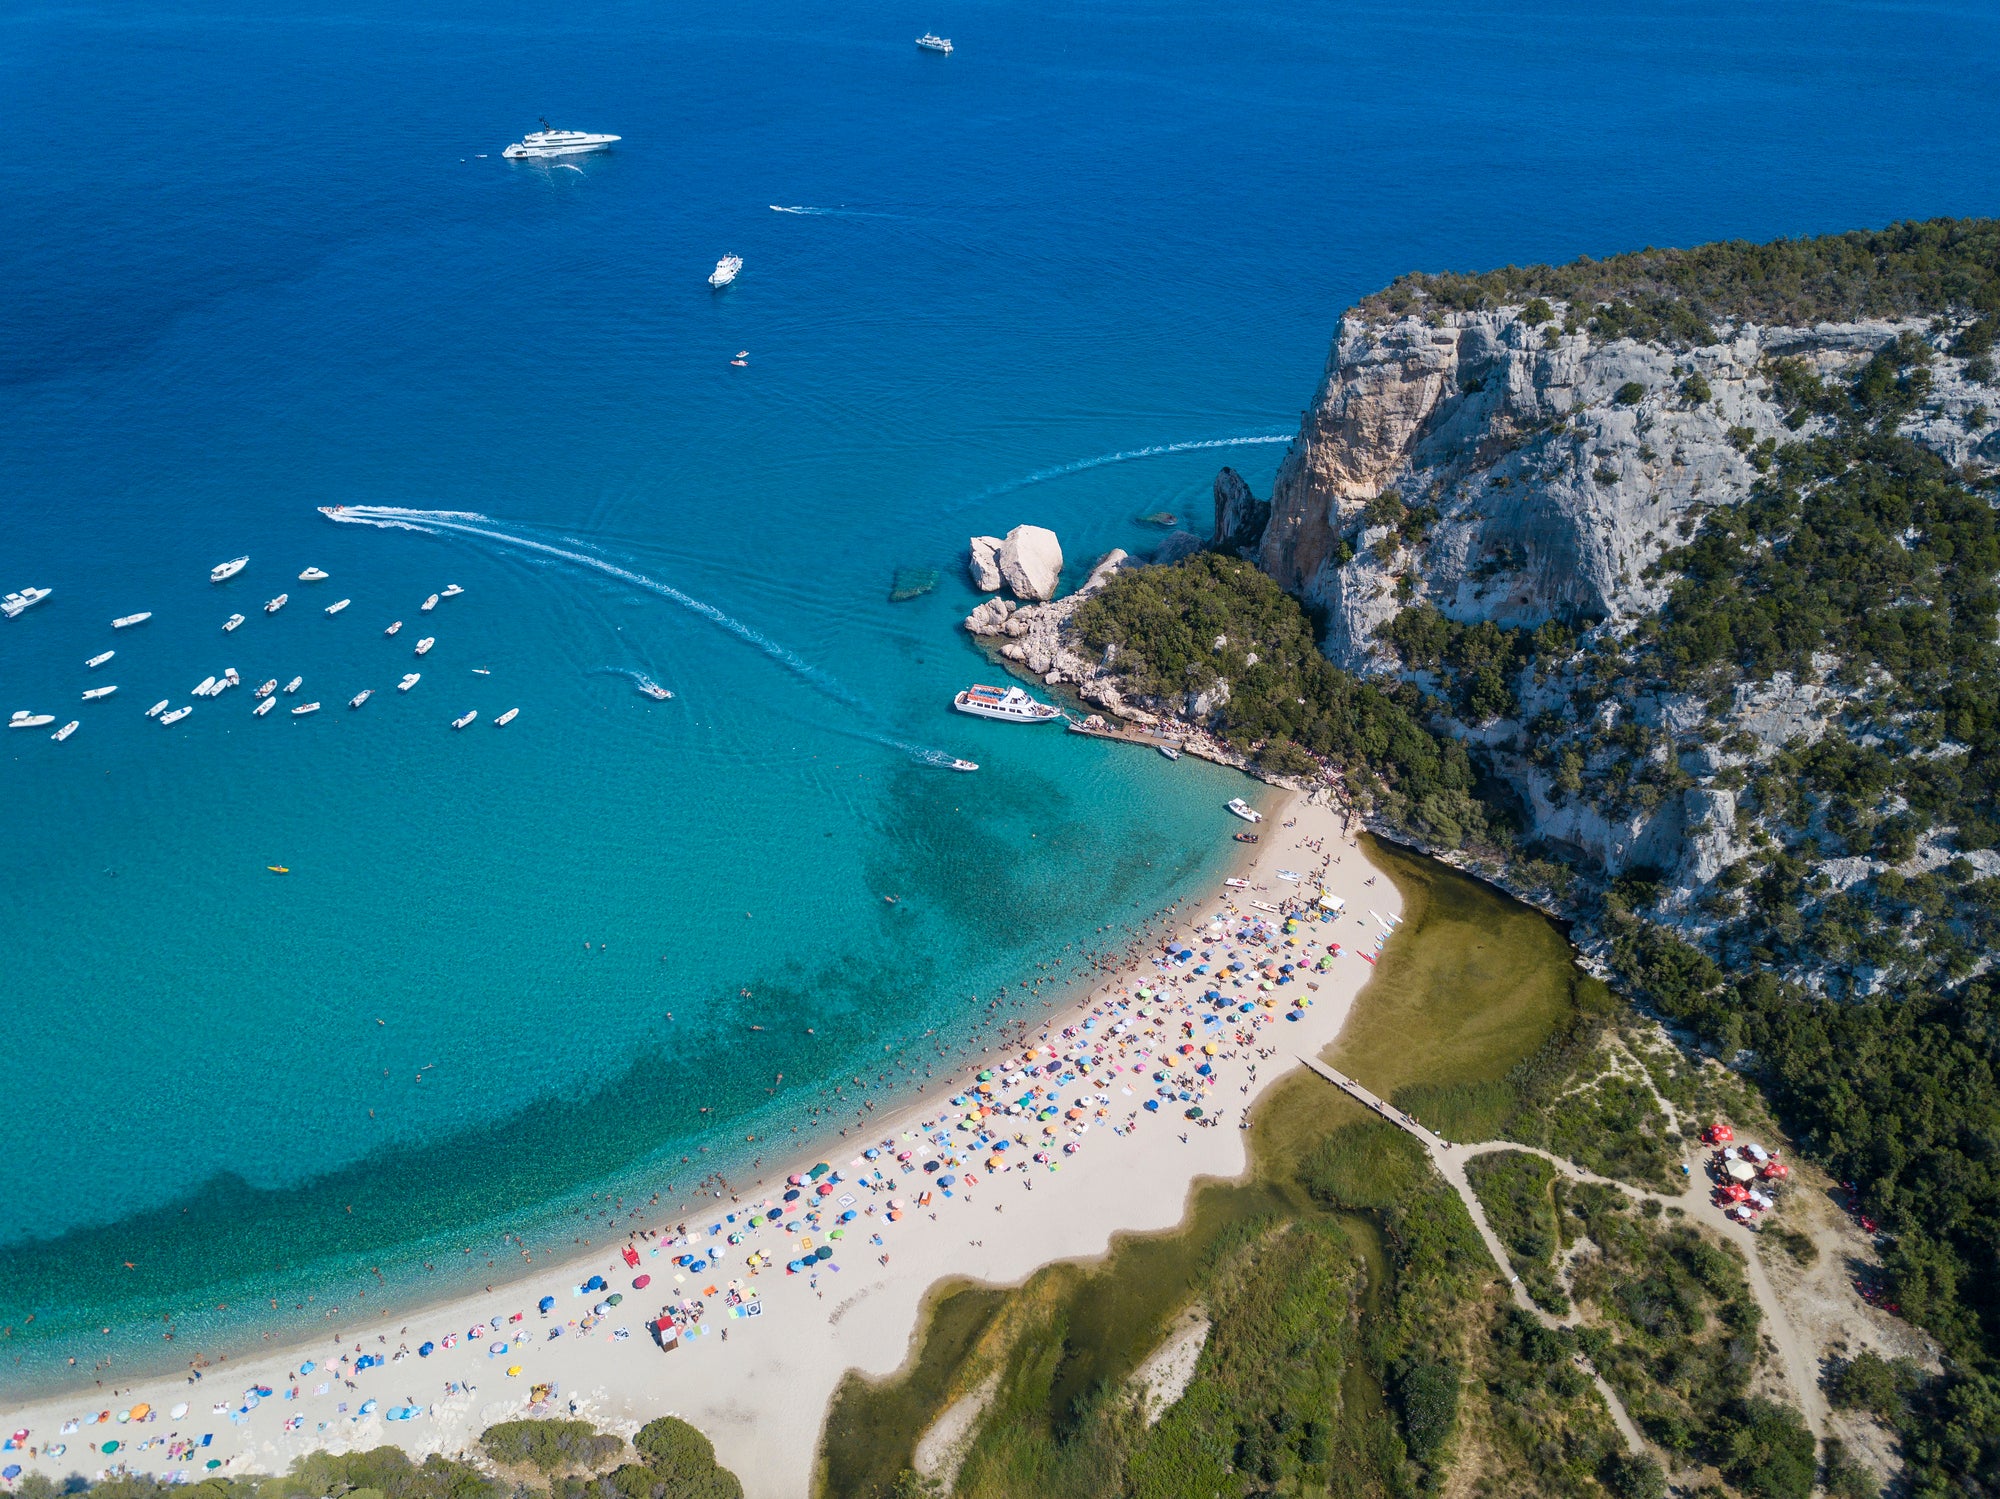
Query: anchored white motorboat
point(125, 622)
point(1009, 704)
point(65, 731)
point(264, 707)
point(1244, 810)
point(338, 605)
point(451, 591)
point(23, 719)
point(97, 692)
point(1168, 751)
point(930, 41)
point(409, 680)
point(295, 684)
point(304, 708)
point(424, 645)
point(203, 687)
point(98, 660)
point(277, 603)
point(465, 718)
point(222, 572)
point(428, 604)
point(393, 628)
point(27, 598)
point(361, 697)
point(313, 575)
point(506, 718)
point(232, 622)
point(547, 142)
point(267, 689)
point(176, 716)
point(156, 709)
point(229, 679)
point(725, 271)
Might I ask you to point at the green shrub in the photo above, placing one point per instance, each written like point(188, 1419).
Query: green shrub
point(1537, 312)
point(1695, 389)
point(1631, 393)
point(551, 1446)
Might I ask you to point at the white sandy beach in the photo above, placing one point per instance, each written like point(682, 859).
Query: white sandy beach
point(758, 1381)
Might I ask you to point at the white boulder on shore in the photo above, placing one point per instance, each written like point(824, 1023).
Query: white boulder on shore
point(1031, 561)
point(986, 564)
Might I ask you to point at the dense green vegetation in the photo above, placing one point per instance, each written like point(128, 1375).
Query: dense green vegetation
point(1523, 1199)
point(1286, 702)
point(675, 1462)
point(1917, 267)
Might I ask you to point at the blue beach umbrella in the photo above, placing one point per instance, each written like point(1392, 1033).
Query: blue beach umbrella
point(546, 1304)
point(424, 1350)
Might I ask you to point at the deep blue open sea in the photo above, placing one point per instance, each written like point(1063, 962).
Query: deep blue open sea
point(257, 259)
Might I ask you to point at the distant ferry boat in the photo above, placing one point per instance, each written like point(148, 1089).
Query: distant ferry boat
point(1010, 704)
point(545, 142)
point(725, 271)
point(27, 598)
point(223, 571)
point(930, 41)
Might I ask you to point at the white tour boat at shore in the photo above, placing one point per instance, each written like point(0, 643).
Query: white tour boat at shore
point(1008, 704)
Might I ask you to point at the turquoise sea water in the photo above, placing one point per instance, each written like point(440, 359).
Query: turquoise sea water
point(255, 263)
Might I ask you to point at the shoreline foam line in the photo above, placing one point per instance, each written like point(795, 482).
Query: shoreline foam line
point(1063, 470)
point(391, 517)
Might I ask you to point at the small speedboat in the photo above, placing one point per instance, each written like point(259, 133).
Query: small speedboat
point(393, 628)
point(409, 680)
point(65, 731)
point(742, 358)
point(451, 591)
point(1168, 750)
point(223, 571)
point(338, 605)
point(97, 692)
point(655, 691)
point(313, 575)
point(465, 718)
point(295, 684)
point(98, 660)
point(126, 621)
point(277, 603)
point(279, 868)
point(26, 720)
point(1244, 810)
point(157, 708)
point(425, 644)
point(428, 604)
point(506, 718)
point(264, 707)
point(1246, 837)
point(202, 687)
point(361, 697)
point(176, 716)
point(229, 679)
point(964, 765)
point(482, 671)
point(304, 708)
point(232, 622)
point(267, 689)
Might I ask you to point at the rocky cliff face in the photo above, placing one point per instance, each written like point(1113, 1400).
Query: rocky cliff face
point(1558, 465)
point(1515, 471)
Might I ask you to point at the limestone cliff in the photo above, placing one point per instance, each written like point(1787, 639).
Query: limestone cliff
point(1514, 466)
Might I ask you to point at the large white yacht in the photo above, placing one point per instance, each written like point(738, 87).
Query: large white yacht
point(930, 41)
point(23, 719)
point(223, 571)
point(1009, 704)
point(27, 598)
point(547, 142)
point(725, 271)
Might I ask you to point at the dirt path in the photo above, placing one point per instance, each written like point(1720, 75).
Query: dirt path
point(1799, 1361)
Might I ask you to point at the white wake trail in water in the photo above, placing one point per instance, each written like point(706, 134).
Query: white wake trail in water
point(462, 523)
point(1063, 470)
